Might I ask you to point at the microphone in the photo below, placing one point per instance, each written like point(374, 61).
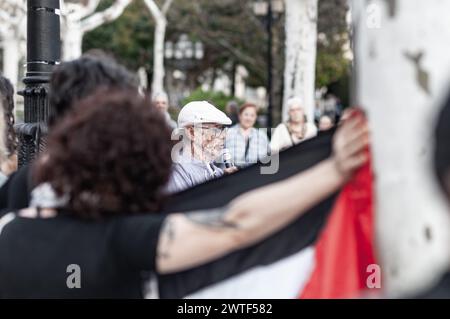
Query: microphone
point(227, 158)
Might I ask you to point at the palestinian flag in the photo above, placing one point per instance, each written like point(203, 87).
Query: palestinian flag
point(309, 258)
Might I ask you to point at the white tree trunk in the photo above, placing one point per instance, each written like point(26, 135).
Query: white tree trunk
point(403, 69)
point(301, 48)
point(159, 15)
point(241, 87)
point(13, 33)
point(158, 56)
point(78, 20)
point(11, 58)
point(72, 41)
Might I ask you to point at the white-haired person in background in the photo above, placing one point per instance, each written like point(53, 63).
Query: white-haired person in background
point(160, 101)
point(203, 131)
point(296, 130)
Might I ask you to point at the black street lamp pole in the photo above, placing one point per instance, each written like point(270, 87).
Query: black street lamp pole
point(43, 53)
point(269, 68)
point(270, 10)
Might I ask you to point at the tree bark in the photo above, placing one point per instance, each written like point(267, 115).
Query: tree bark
point(159, 15)
point(278, 72)
point(12, 32)
point(72, 41)
point(158, 56)
point(402, 72)
point(11, 58)
point(79, 19)
point(301, 42)
point(233, 76)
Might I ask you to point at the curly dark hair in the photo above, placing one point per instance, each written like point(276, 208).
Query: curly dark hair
point(7, 101)
point(110, 155)
point(74, 80)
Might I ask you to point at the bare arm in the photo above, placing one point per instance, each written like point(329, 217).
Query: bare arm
point(193, 239)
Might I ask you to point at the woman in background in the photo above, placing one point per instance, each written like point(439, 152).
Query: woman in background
point(247, 144)
point(296, 130)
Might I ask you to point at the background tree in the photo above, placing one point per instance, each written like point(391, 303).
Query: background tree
point(231, 34)
point(159, 14)
point(333, 48)
point(301, 48)
point(12, 36)
point(402, 72)
point(80, 17)
point(129, 38)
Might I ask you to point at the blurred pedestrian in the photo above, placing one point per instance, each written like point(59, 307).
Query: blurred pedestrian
point(296, 130)
point(160, 101)
point(247, 144)
point(232, 110)
point(325, 123)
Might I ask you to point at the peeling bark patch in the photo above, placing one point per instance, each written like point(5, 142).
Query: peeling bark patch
point(372, 51)
point(372, 54)
point(394, 271)
point(428, 234)
point(312, 12)
point(422, 75)
point(423, 152)
point(294, 72)
point(392, 8)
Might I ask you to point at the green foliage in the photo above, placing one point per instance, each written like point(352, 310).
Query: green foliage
point(129, 38)
point(330, 68)
point(218, 99)
point(231, 34)
point(229, 31)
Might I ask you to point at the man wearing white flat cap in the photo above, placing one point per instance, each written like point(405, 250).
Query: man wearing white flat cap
point(203, 142)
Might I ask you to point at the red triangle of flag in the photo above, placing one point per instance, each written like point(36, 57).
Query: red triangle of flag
point(345, 258)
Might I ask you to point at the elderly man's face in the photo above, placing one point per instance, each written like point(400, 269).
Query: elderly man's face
point(161, 104)
point(210, 137)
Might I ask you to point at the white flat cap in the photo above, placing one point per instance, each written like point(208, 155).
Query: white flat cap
point(198, 112)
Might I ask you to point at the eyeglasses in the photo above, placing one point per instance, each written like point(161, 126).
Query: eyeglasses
point(213, 130)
